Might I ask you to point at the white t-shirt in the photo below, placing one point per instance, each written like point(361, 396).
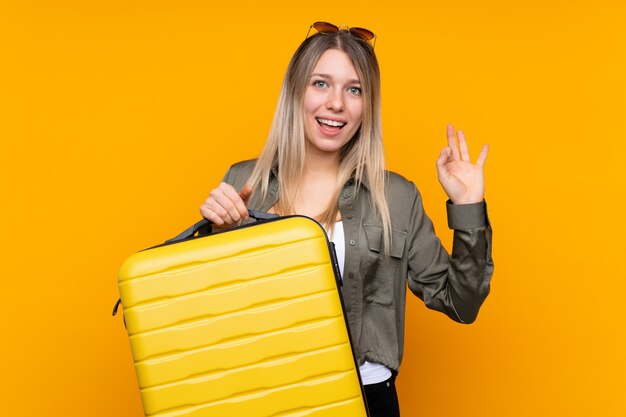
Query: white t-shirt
point(371, 373)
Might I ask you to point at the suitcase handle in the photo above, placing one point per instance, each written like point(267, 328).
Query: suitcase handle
point(203, 227)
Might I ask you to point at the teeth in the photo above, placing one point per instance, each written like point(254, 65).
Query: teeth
point(331, 122)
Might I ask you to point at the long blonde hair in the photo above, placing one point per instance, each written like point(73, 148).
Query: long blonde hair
point(362, 157)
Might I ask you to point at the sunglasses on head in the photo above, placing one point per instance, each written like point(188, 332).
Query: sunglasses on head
point(359, 33)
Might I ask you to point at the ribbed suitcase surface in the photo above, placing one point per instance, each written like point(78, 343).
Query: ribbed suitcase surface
point(242, 323)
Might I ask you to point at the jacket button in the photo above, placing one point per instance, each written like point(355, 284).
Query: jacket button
point(352, 242)
point(349, 216)
point(346, 195)
point(351, 275)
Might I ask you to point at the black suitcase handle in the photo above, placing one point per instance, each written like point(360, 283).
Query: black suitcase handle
point(203, 227)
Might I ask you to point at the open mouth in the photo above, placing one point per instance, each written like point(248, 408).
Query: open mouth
point(330, 123)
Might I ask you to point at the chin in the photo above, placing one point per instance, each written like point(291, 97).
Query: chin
point(326, 145)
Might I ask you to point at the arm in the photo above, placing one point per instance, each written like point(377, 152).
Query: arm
point(456, 285)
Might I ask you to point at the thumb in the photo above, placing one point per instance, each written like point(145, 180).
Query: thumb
point(245, 193)
point(444, 157)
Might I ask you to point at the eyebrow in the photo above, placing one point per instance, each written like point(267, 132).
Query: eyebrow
point(328, 76)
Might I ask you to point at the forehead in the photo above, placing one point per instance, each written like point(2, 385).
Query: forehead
point(336, 64)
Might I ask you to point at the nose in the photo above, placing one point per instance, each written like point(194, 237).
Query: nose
point(334, 100)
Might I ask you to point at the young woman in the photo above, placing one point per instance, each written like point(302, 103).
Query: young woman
point(324, 159)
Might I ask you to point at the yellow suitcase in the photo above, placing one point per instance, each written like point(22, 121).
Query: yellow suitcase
point(247, 322)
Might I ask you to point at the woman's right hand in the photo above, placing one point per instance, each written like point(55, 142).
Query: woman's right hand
point(225, 206)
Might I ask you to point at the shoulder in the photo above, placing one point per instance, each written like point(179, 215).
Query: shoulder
point(404, 202)
point(398, 186)
point(243, 167)
point(240, 171)
point(403, 199)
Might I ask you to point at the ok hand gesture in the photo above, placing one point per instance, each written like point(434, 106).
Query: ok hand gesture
point(462, 181)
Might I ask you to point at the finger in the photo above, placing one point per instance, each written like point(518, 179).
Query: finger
point(236, 199)
point(445, 156)
point(463, 145)
point(218, 209)
point(482, 157)
point(452, 142)
point(228, 198)
point(245, 194)
point(210, 215)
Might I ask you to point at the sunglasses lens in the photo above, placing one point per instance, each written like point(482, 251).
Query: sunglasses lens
point(329, 28)
point(362, 33)
point(324, 27)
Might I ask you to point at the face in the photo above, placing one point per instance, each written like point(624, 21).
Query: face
point(333, 105)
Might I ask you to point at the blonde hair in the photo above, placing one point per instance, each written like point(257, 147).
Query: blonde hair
point(362, 157)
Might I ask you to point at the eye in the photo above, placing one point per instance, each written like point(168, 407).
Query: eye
point(355, 90)
point(320, 83)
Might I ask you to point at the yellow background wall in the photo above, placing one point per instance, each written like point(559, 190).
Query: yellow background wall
point(118, 117)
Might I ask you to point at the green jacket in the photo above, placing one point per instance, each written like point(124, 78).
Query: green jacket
point(374, 286)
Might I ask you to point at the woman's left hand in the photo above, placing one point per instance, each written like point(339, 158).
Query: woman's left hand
point(463, 181)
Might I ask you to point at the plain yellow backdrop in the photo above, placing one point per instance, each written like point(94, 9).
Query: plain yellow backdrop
point(118, 117)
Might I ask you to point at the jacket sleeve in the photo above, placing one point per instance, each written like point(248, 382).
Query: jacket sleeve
point(458, 284)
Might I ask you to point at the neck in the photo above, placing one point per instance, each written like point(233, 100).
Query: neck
point(320, 164)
